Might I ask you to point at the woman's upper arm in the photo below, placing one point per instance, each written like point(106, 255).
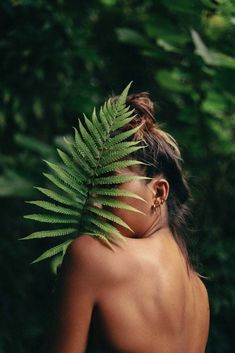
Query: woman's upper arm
point(77, 295)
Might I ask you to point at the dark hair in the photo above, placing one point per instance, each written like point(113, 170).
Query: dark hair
point(164, 158)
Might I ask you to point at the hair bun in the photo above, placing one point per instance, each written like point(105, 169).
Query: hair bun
point(143, 108)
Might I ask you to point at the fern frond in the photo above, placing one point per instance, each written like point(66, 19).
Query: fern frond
point(61, 199)
point(116, 192)
point(54, 208)
point(108, 109)
point(83, 149)
point(50, 233)
point(54, 180)
point(123, 136)
point(93, 131)
point(95, 149)
point(118, 154)
point(118, 179)
point(45, 218)
point(114, 203)
point(94, 229)
point(104, 117)
point(71, 165)
point(121, 123)
point(65, 177)
point(122, 98)
point(124, 114)
point(87, 170)
point(99, 128)
point(108, 215)
point(89, 140)
point(119, 146)
point(61, 248)
point(102, 238)
point(117, 165)
point(105, 226)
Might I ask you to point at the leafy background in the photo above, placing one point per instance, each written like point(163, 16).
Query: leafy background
point(60, 58)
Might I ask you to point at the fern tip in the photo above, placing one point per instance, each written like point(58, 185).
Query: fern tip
point(37, 187)
point(25, 238)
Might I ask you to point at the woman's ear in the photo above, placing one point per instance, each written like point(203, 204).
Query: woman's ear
point(161, 189)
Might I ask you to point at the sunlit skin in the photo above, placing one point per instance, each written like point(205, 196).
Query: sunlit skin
point(143, 225)
point(141, 296)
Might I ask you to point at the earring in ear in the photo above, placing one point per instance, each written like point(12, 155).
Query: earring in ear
point(155, 205)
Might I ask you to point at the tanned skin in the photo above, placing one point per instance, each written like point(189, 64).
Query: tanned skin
point(147, 298)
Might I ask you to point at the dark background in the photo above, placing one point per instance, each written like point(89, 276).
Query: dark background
point(60, 58)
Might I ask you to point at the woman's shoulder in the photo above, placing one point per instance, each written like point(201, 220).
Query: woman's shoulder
point(86, 250)
point(201, 285)
point(91, 256)
point(108, 266)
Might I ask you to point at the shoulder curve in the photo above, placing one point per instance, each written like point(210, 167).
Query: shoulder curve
point(86, 242)
point(86, 252)
point(89, 259)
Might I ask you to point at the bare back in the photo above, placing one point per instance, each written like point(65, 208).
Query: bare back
point(149, 302)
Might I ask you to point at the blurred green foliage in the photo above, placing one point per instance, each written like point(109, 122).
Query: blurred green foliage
point(59, 59)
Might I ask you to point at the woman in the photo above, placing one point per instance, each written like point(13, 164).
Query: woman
point(145, 297)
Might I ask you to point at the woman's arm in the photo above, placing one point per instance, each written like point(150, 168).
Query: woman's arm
point(77, 296)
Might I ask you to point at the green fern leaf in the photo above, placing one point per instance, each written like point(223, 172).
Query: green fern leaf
point(107, 111)
point(64, 200)
point(54, 180)
point(119, 147)
point(111, 108)
point(114, 203)
point(83, 149)
point(80, 178)
point(122, 98)
point(105, 226)
point(54, 208)
point(102, 238)
point(104, 119)
point(118, 179)
point(98, 126)
point(81, 162)
point(65, 177)
point(97, 148)
point(118, 154)
point(71, 165)
point(108, 215)
point(92, 228)
point(89, 140)
point(120, 123)
point(94, 132)
point(45, 218)
point(117, 165)
point(116, 192)
point(61, 248)
point(50, 233)
point(122, 136)
point(124, 114)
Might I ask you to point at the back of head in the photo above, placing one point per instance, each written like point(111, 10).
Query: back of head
point(164, 158)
